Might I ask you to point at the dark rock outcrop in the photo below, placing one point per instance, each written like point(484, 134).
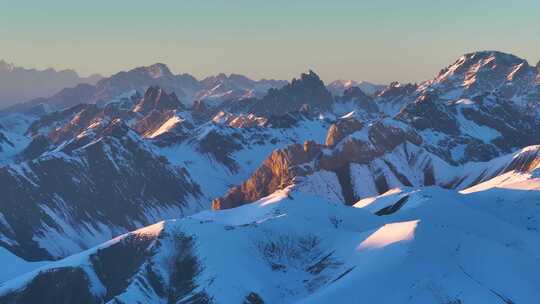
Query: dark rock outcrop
point(281, 168)
point(340, 129)
point(308, 91)
point(276, 172)
point(108, 177)
point(155, 98)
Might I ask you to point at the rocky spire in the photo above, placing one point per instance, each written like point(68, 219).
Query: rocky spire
point(308, 90)
point(155, 98)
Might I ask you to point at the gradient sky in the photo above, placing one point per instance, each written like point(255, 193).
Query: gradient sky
point(378, 41)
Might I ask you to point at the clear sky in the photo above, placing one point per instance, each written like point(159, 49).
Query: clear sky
point(378, 41)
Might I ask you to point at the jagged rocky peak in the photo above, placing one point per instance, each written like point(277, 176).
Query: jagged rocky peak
point(116, 128)
point(276, 172)
point(155, 98)
point(395, 89)
point(362, 145)
point(305, 93)
point(338, 87)
point(342, 128)
point(214, 80)
point(426, 112)
point(366, 144)
point(479, 60)
point(310, 79)
point(354, 93)
point(498, 57)
point(483, 71)
point(360, 99)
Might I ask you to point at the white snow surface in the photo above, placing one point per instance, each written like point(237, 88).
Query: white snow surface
point(442, 246)
point(13, 266)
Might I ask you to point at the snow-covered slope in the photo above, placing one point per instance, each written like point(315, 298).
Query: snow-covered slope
point(138, 153)
point(359, 160)
point(337, 87)
point(293, 247)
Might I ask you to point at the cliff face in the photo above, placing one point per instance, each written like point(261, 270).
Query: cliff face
point(276, 172)
point(340, 129)
point(368, 162)
point(347, 143)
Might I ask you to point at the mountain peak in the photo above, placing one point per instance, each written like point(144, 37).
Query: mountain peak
point(488, 56)
point(482, 71)
point(156, 98)
point(158, 70)
point(307, 92)
point(344, 83)
point(311, 75)
point(310, 79)
point(485, 58)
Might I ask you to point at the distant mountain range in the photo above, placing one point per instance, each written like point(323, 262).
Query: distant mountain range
point(211, 90)
point(274, 191)
point(339, 86)
point(18, 84)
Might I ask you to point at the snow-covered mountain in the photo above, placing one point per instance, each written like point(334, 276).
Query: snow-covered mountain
point(425, 245)
point(19, 84)
point(214, 90)
point(337, 87)
point(424, 189)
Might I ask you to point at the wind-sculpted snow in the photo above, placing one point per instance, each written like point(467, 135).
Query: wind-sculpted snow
point(294, 247)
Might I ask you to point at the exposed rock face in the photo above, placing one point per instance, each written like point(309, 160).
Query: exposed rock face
point(119, 266)
point(368, 144)
point(428, 113)
point(338, 87)
point(364, 101)
point(485, 71)
point(157, 99)
point(100, 161)
point(393, 98)
point(342, 128)
point(483, 127)
point(308, 90)
point(409, 164)
point(276, 172)
point(215, 89)
point(152, 121)
point(104, 179)
point(220, 147)
point(236, 86)
point(525, 162)
point(284, 165)
point(37, 146)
